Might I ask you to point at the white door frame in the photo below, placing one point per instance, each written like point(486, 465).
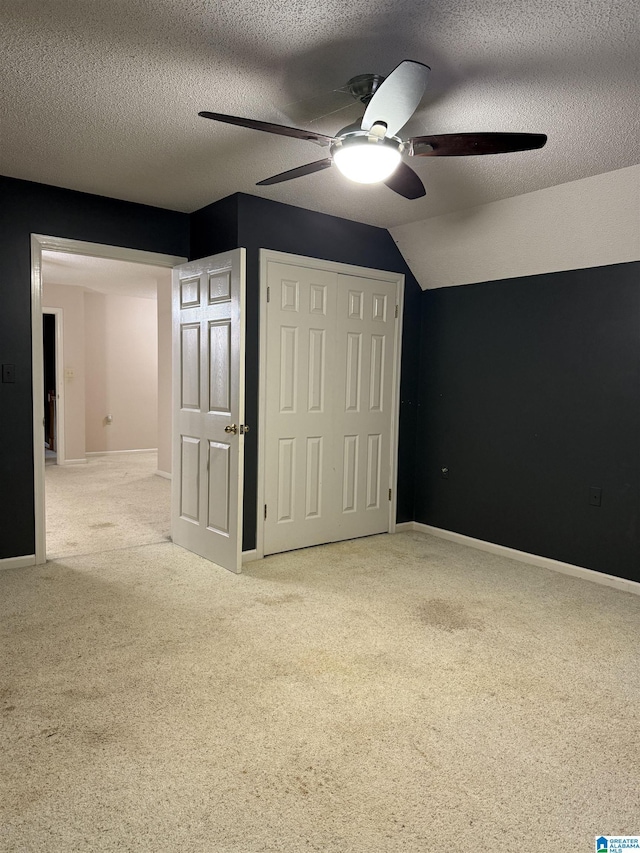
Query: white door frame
point(59, 370)
point(40, 243)
point(267, 255)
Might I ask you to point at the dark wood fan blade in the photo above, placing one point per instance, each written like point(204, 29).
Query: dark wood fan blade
point(404, 181)
point(268, 127)
point(309, 169)
point(464, 144)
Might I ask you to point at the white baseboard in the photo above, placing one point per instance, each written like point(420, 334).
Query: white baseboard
point(523, 557)
point(116, 452)
point(405, 525)
point(30, 559)
point(164, 474)
point(72, 462)
point(18, 562)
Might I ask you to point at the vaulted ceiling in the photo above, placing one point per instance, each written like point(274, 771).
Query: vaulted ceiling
point(104, 96)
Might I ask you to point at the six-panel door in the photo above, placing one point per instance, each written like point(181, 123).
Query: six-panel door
point(208, 407)
point(330, 346)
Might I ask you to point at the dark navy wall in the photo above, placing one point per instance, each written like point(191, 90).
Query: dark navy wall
point(530, 395)
point(28, 208)
point(214, 228)
point(264, 224)
point(526, 389)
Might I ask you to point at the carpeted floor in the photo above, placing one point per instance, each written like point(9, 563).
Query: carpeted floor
point(398, 693)
point(111, 502)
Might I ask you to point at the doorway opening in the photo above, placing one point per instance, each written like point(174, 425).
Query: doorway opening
point(49, 344)
point(87, 381)
point(53, 376)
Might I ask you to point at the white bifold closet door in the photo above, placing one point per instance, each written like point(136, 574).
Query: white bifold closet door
point(208, 407)
point(330, 360)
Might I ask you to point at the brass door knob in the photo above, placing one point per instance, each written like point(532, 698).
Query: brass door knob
point(231, 428)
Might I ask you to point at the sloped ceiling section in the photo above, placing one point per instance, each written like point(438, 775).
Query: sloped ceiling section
point(592, 222)
point(104, 97)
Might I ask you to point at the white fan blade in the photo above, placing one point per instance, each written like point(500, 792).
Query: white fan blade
point(398, 97)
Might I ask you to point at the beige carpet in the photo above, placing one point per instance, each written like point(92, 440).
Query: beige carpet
point(399, 693)
point(111, 502)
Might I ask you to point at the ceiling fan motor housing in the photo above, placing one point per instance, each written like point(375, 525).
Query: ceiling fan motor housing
point(364, 86)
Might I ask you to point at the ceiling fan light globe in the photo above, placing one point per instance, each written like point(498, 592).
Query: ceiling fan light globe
point(367, 163)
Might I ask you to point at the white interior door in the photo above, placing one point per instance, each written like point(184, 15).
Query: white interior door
point(331, 340)
point(208, 407)
point(365, 329)
point(299, 466)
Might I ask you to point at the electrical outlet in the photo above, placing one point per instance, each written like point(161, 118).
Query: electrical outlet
point(595, 496)
point(8, 373)
point(444, 473)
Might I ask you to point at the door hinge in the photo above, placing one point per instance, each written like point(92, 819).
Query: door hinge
point(268, 294)
point(389, 494)
point(265, 510)
point(396, 312)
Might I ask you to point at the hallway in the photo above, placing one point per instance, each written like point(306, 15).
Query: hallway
point(115, 501)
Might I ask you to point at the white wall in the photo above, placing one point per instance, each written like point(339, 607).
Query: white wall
point(164, 375)
point(587, 223)
point(71, 300)
point(121, 366)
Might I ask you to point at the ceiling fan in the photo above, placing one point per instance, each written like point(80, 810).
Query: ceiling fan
point(370, 151)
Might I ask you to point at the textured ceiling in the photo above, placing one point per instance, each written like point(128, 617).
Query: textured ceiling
point(103, 96)
point(103, 275)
